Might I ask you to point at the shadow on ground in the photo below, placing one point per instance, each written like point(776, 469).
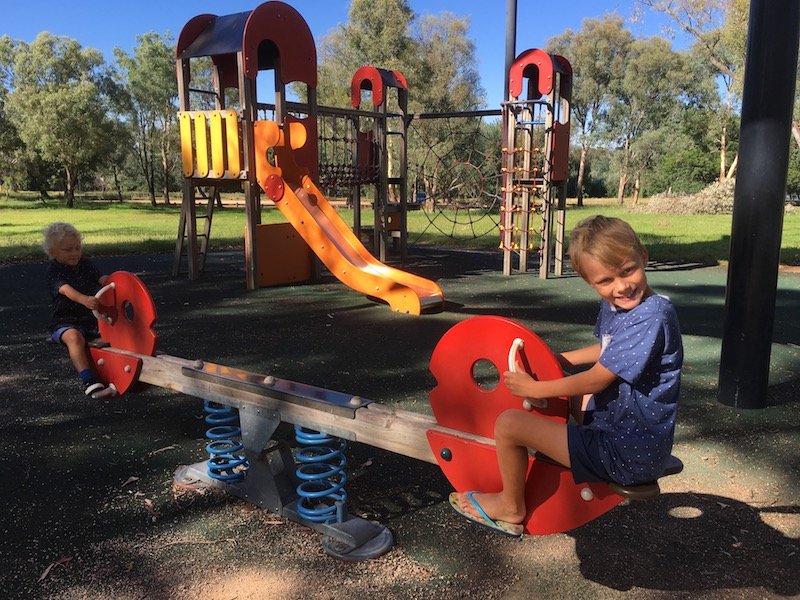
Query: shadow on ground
point(90, 510)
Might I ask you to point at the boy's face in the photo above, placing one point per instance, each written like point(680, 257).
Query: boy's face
point(623, 287)
point(68, 251)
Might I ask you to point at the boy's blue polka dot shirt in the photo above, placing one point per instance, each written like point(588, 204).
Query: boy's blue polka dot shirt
point(637, 412)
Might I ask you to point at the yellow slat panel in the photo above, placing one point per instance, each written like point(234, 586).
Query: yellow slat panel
point(234, 149)
point(217, 154)
point(187, 152)
point(201, 144)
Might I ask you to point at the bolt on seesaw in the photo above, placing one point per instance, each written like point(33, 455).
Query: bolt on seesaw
point(247, 462)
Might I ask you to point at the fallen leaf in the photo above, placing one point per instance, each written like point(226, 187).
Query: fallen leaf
point(172, 447)
point(60, 561)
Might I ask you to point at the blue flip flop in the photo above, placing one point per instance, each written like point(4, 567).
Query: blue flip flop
point(502, 527)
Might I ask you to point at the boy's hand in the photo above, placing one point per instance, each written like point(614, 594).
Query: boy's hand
point(521, 384)
point(90, 302)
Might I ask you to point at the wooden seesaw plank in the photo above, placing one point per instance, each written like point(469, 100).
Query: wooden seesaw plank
point(399, 431)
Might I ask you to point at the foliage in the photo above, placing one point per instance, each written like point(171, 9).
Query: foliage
point(148, 100)
point(716, 199)
point(443, 73)
point(718, 28)
point(598, 54)
point(645, 118)
point(58, 107)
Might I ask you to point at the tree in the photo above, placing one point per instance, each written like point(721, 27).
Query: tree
point(9, 138)
point(57, 106)
point(597, 54)
point(719, 29)
point(150, 106)
point(648, 97)
point(443, 66)
point(377, 33)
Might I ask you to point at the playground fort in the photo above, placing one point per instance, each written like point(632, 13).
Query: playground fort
point(289, 158)
point(280, 159)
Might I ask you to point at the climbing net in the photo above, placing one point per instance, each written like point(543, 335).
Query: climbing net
point(454, 169)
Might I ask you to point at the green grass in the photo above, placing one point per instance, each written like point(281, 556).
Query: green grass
point(138, 228)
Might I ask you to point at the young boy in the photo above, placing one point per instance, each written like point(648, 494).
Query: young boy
point(624, 405)
point(72, 282)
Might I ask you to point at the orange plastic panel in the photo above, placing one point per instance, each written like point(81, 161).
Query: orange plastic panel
point(555, 502)
point(132, 312)
point(458, 402)
point(119, 369)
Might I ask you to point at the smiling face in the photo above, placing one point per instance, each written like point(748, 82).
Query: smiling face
point(68, 250)
point(623, 286)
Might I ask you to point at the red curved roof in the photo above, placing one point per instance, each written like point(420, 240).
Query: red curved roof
point(275, 22)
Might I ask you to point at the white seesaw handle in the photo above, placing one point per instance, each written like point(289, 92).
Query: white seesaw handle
point(98, 315)
point(516, 345)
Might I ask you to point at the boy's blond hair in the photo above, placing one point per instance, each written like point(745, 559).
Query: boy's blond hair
point(609, 240)
point(54, 233)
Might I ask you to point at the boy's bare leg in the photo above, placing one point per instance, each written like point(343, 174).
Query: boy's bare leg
point(515, 432)
point(76, 346)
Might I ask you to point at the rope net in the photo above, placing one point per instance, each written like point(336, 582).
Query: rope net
point(454, 170)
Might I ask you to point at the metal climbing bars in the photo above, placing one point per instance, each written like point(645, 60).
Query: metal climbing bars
point(535, 157)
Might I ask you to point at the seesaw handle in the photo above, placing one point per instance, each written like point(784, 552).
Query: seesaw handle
point(516, 345)
point(98, 315)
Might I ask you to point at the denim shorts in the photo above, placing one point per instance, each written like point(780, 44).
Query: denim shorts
point(88, 334)
point(584, 454)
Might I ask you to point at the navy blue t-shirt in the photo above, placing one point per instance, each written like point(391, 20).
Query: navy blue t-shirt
point(636, 414)
point(85, 278)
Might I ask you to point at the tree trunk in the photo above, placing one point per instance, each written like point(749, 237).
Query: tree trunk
point(637, 184)
point(623, 174)
point(623, 181)
point(732, 169)
point(723, 142)
point(117, 184)
point(723, 138)
point(69, 187)
point(581, 174)
point(165, 167)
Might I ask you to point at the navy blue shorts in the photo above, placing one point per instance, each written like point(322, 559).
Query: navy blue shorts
point(88, 334)
point(584, 454)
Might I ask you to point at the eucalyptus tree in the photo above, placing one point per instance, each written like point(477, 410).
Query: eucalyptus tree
point(9, 139)
point(57, 104)
point(377, 33)
point(433, 52)
point(648, 96)
point(443, 67)
point(150, 107)
point(719, 31)
point(597, 53)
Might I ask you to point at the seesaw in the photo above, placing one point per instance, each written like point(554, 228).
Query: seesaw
point(247, 462)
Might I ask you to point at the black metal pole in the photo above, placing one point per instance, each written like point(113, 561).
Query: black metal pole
point(769, 86)
point(511, 41)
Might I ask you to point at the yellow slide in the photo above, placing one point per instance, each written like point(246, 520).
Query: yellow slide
point(330, 237)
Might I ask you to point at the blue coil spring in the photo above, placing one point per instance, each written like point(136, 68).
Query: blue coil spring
point(322, 497)
point(224, 464)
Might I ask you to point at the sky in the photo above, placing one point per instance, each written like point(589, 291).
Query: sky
point(105, 25)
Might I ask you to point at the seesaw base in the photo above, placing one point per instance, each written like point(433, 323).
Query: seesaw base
point(353, 539)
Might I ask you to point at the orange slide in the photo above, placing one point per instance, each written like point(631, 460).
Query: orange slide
point(330, 237)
